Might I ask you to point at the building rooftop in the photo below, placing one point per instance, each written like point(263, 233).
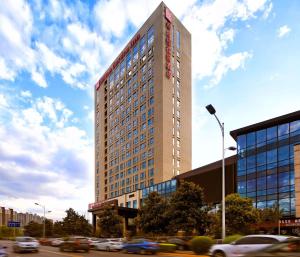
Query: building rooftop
point(266, 124)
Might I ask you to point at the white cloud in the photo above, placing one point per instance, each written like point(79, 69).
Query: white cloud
point(26, 93)
point(3, 101)
point(51, 162)
point(5, 72)
point(39, 79)
point(283, 31)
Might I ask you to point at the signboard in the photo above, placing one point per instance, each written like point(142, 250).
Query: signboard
point(13, 224)
point(290, 222)
point(98, 205)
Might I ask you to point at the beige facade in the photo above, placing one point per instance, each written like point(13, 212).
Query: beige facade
point(297, 179)
point(143, 110)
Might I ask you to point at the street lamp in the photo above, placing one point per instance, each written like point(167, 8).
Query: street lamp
point(44, 223)
point(212, 111)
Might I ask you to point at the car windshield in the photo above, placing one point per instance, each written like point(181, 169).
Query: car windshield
point(25, 239)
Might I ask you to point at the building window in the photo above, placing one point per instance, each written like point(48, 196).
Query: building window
point(178, 39)
point(128, 61)
point(128, 204)
point(150, 36)
point(134, 204)
point(143, 45)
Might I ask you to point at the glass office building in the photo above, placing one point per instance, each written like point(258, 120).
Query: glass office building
point(165, 188)
point(265, 162)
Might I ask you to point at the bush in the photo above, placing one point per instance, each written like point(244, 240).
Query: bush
point(167, 247)
point(232, 238)
point(201, 244)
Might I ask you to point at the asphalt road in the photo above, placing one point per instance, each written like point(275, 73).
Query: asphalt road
point(48, 251)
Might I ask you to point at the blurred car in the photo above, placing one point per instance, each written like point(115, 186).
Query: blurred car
point(3, 252)
point(245, 245)
point(141, 246)
point(109, 245)
point(180, 243)
point(93, 241)
point(57, 242)
point(25, 244)
point(288, 248)
point(75, 243)
point(45, 241)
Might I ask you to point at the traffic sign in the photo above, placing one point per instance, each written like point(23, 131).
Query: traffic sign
point(13, 224)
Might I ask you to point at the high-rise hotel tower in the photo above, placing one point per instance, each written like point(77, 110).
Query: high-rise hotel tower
point(143, 125)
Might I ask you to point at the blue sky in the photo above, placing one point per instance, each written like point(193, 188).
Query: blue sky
point(245, 56)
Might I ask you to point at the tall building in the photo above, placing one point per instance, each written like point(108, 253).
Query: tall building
point(143, 110)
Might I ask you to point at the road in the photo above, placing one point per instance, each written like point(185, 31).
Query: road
point(48, 251)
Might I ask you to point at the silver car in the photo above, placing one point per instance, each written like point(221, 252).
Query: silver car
point(245, 245)
point(109, 245)
point(25, 244)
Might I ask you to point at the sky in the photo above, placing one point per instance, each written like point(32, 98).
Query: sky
point(245, 61)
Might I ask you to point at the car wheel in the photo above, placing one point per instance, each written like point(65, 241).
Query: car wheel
point(143, 251)
point(219, 254)
point(124, 251)
point(87, 250)
point(107, 248)
point(61, 249)
point(180, 247)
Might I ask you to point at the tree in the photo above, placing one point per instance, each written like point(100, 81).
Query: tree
point(58, 229)
point(152, 215)
point(75, 224)
point(268, 219)
point(240, 215)
point(33, 229)
point(109, 222)
point(49, 228)
point(187, 209)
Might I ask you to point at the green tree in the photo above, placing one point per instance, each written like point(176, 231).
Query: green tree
point(33, 229)
point(153, 215)
point(75, 224)
point(109, 222)
point(240, 215)
point(187, 209)
point(58, 229)
point(49, 228)
point(268, 219)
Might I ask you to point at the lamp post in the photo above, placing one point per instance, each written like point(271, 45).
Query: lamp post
point(212, 111)
point(44, 221)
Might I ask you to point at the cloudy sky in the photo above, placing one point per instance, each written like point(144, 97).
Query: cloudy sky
point(246, 60)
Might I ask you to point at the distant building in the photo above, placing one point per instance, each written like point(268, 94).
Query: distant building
point(7, 215)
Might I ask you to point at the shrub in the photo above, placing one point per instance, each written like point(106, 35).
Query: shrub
point(232, 238)
point(201, 244)
point(166, 247)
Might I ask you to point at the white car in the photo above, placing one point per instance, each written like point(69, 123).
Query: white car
point(57, 242)
point(109, 245)
point(245, 245)
point(25, 244)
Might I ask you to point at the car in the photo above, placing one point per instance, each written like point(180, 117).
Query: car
point(75, 243)
point(45, 241)
point(3, 252)
point(25, 244)
point(245, 245)
point(57, 242)
point(180, 243)
point(141, 246)
point(287, 248)
point(93, 241)
point(109, 244)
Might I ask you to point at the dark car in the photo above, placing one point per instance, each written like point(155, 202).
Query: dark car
point(75, 243)
point(288, 248)
point(141, 246)
point(180, 243)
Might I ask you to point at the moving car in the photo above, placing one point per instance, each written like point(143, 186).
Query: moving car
point(93, 241)
point(75, 243)
point(288, 248)
point(25, 244)
point(109, 245)
point(245, 245)
point(180, 243)
point(142, 246)
point(3, 252)
point(57, 242)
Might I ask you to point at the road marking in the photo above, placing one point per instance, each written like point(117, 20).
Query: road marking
point(63, 254)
